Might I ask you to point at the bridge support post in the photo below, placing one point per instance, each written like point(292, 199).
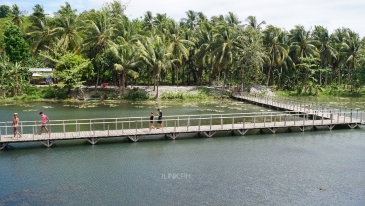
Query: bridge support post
point(302, 128)
point(3, 145)
point(210, 133)
point(353, 125)
point(92, 140)
point(134, 138)
point(47, 143)
point(273, 129)
point(331, 126)
point(242, 131)
point(173, 135)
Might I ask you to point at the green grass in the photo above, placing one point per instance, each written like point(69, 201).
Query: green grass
point(341, 92)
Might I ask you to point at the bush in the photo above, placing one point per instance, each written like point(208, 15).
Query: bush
point(49, 93)
point(135, 94)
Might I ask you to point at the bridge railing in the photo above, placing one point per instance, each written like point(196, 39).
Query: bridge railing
point(297, 105)
point(184, 123)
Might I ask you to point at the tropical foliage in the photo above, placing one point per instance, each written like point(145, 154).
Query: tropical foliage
point(104, 45)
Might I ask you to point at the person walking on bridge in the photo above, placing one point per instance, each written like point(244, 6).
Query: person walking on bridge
point(44, 122)
point(15, 125)
point(159, 113)
point(151, 122)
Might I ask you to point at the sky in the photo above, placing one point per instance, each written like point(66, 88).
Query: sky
point(332, 14)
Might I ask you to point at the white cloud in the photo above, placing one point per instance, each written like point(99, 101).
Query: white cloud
point(286, 14)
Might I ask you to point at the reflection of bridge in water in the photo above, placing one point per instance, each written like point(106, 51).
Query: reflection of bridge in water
point(293, 114)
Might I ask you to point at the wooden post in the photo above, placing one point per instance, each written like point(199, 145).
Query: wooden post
point(232, 121)
point(344, 116)
point(187, 124)
point(199, 122)
point(221, 122)
point(136, 127)
point(175, 126)
point(254, 122)
point(274, 120)
point(210, 122)
point(351, 116)
point(108, 129)
point(116, 124)
point(285, 120)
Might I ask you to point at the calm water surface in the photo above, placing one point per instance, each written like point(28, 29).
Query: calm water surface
point(312, 168)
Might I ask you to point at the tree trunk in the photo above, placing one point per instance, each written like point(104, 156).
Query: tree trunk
point(156, 83)
point(97, 79)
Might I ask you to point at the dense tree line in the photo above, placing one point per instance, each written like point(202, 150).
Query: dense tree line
point(105, 46)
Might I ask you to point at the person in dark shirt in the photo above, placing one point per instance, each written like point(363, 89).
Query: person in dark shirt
point(159, 113)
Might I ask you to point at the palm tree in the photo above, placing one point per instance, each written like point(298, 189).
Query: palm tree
point(17, 15)
point(153, 52)
point(148, 21)
point(252, 23)
point(277, 51)
point(352, 49)
point(302, 45)
point(225, 45)
point(67, 28)
point(38, 12)
point(203, 43)
point(126, 62)
point(324, 44)
point(232, 20)
point(40, 34)
point(177, 46)
point(191, 21)
point(98, 33)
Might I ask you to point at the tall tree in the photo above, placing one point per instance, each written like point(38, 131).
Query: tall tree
point(352, 48)
point(324, 44)
point(4, 11)
point(17, 15)
point(15, 45)
point(277, 51)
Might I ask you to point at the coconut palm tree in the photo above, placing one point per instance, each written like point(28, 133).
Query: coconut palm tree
point(148, 21)
point(253, 24)
point(17, 15)
point(67, 27)
point(225, 45)
point(177, 46)
point(324, 45)
point(40, 34)
point(203, 55)
point(98, 32)
point(352, 49)
point(153, 52)
point(126, 62)
point(277, 51)
point(191, 21)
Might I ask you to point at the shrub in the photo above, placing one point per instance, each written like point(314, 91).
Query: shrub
point(135, 94)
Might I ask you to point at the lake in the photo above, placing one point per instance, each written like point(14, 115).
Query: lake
point(312, 168)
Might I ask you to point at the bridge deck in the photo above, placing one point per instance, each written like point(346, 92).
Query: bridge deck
point(301, 115)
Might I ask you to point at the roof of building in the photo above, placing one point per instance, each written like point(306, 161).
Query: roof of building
point(41, 69)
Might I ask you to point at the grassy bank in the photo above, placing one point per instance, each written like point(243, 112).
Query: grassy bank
point(49, 94)
point(342, 91)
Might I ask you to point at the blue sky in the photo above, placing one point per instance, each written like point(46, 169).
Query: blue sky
point(285, 14)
